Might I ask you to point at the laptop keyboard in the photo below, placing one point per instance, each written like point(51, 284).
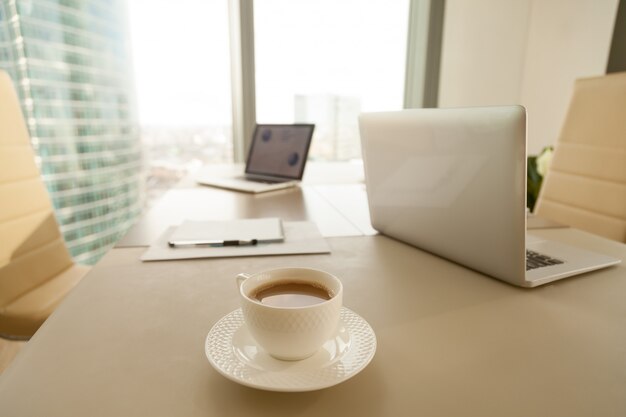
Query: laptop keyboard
point(538, 260)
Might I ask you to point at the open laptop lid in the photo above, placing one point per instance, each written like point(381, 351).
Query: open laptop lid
point(452, 182)
point(279, 151)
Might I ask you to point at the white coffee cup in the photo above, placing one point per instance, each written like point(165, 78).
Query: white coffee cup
point(290, 333)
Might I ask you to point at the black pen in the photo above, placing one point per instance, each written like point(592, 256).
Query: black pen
point(217, 243)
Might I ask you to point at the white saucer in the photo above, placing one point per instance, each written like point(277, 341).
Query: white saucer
point(232, 351)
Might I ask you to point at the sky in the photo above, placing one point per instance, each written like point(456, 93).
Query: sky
point(181, 61)
point(346, 48)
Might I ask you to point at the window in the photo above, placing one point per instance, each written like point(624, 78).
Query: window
point(182, 76)
point(324, 62)
point(321, 62)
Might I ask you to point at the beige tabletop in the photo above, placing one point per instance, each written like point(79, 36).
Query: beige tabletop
point(331, 194)
point(129, 341)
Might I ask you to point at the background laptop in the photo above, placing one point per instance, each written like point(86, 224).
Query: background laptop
point(453, 182)
point(276, 159)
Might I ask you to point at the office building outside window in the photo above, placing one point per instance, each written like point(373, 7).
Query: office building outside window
point(70, 63)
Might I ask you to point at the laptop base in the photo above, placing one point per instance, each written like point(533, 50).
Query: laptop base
point(245, 185)
point(577, 261)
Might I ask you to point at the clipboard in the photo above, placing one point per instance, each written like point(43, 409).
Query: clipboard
point(300, 238)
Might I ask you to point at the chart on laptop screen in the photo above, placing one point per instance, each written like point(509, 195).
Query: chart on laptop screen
point(279, 150)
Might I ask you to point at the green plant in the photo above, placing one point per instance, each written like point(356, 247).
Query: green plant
point(537, 167)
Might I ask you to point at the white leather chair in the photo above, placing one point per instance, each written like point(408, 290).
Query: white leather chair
point(36, 270)
point(585, 186)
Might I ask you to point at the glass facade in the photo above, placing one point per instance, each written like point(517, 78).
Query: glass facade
point(71, 65)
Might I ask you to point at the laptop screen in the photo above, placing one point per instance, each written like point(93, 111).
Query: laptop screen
point(279, 150)
point(452, 182)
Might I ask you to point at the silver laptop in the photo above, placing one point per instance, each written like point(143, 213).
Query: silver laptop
point(276, 160)
point(453, 182)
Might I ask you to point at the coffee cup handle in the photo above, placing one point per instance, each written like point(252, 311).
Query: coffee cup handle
point(241, 278)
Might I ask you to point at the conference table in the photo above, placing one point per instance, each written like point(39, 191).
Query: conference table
point(130, 339)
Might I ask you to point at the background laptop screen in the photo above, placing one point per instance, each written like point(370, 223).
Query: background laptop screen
point(279, 150)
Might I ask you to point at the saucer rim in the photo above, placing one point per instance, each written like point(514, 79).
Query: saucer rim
point(272, 388)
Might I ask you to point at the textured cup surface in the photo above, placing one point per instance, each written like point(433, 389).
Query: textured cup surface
point(290, 333)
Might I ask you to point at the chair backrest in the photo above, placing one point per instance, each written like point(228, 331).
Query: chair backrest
point(586, 183)
point(32, 249)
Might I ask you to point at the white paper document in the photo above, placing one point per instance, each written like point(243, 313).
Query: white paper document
point(261, 230)
point(299, 238)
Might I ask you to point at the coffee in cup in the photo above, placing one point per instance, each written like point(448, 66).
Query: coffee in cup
point(291, 312)
point(291, 293)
